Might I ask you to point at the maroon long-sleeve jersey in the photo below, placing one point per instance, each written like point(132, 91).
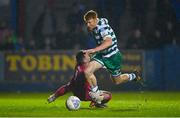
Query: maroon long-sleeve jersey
point(78, 85)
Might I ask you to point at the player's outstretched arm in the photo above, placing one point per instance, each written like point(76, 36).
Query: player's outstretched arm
point(106, 43)
point(62, 90)
point(59, 92)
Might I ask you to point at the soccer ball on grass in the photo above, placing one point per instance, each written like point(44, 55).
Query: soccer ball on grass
point(73, 103)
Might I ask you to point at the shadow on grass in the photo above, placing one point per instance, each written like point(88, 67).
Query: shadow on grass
point(92, 108)
point(125, 110)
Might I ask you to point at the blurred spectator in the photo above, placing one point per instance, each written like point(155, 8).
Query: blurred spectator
point(101, 7)
point(3, 31)
point(4, 2)
point(138, 11)
point(6, 34)
point(75, 36)
point(8, 42)
point(77, 39)
point(9, 39)
point(31, 45)
point(168, 33)
point(60, 40)
point(165, 20)
point(19, 45)
point(112, 10)
point(45, 27)
point(74, 19)
point(155, 20)
point(136, 40)
point(47, 43)
point(154, 40)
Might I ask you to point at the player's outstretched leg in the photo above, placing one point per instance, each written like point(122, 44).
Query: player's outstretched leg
point(51, 98)
point(123, 78)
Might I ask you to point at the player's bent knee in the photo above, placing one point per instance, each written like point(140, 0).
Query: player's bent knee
point(87, 73)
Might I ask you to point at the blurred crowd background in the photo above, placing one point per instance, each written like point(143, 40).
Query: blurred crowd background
point(27, 25)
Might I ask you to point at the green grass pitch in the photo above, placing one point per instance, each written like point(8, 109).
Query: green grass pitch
point(126, 104)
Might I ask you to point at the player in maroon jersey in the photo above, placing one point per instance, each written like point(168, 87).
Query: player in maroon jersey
point(79, 86)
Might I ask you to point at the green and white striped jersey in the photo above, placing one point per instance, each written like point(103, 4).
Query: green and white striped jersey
point(100, 32)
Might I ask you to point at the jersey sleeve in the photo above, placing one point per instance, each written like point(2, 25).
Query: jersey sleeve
point(104, 31)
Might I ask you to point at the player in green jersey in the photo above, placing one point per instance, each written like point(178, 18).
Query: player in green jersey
point(106, 54)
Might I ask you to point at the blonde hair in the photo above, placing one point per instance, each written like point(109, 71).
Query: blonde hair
point(90, 15)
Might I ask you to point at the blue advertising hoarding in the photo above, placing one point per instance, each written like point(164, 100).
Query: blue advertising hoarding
point(41, 66)
point(52, 69)
point(1, 66)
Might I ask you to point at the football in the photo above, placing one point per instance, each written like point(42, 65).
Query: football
point(73, 103)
